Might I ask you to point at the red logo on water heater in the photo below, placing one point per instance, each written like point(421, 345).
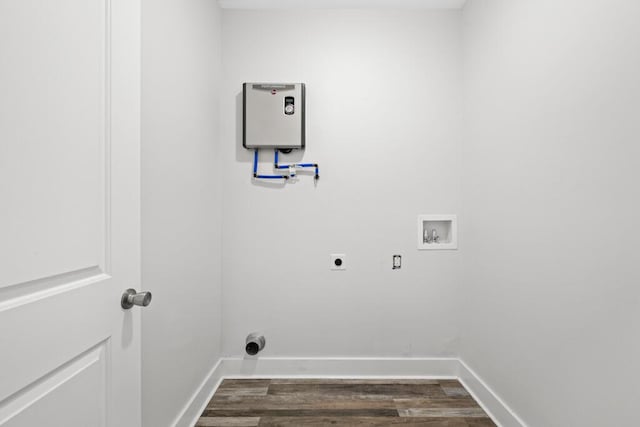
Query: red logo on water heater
point(273, 91)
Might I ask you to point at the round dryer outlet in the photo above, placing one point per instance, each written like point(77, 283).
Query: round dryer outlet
point(338, 262)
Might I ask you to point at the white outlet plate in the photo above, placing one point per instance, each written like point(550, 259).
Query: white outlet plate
point(397, 262)
point(338, 259)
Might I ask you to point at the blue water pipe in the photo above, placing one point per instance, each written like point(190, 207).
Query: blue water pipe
point(255, 170)
point(296, 165)
point(280, 167)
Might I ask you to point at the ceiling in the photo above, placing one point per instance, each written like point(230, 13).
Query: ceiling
point(342, 4)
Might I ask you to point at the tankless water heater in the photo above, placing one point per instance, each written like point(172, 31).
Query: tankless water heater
point(273, 115)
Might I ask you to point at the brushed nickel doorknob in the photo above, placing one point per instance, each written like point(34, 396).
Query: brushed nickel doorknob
point(130, 298)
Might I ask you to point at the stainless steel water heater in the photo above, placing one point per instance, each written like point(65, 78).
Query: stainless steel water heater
point(273, 115)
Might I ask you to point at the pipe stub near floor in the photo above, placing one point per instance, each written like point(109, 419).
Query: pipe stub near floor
point(254, 344)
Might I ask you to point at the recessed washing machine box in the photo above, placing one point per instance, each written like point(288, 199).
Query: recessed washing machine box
point(273, 115)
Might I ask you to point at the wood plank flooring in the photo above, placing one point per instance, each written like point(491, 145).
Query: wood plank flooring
point(336, 402)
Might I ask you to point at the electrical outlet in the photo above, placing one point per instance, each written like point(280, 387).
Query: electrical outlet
point(338, 262)
point(397, 262)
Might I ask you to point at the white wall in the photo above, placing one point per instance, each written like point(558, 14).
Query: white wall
point(551, 204)
point(548, 201)
point(383, 111)
point(180, 202)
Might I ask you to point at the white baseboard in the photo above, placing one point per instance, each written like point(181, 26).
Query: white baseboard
point(490, 402)
point(194, 407)
point(333, 367)
point(339, 367)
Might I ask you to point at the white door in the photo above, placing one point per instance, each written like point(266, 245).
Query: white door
point(69, 212)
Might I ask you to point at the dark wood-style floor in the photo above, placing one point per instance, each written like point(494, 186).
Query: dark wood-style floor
point(311, 402)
